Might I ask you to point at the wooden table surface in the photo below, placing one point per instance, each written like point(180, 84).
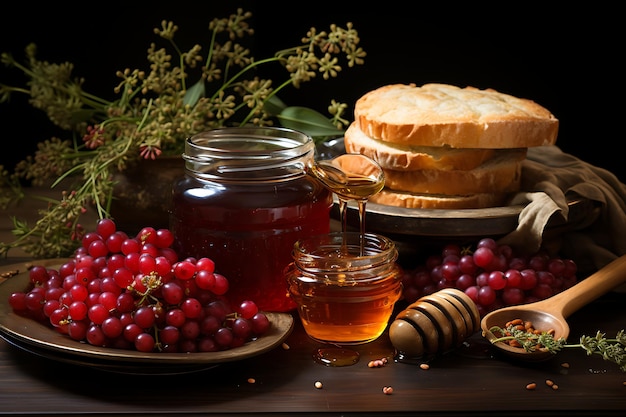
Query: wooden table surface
point(471, 380)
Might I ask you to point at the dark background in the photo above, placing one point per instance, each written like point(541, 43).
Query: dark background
point(566, 59)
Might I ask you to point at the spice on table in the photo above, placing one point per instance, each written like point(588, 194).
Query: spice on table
point(377, 363)
point(551, 384)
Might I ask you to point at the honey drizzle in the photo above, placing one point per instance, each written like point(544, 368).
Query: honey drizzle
point(347, 185)
point(350, 185)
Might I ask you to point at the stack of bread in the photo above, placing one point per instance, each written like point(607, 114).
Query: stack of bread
point(445, 147)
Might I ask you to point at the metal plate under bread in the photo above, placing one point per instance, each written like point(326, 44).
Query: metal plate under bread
point(453, 223)
point(493, 221)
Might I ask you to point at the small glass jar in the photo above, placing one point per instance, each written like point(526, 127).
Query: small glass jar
point(345, 287)
point(244, 201)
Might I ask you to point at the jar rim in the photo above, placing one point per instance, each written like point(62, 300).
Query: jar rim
point(313, 252)
point(250, 153)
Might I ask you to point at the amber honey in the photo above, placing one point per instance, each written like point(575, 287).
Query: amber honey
point(345, 296)
point(348, 185)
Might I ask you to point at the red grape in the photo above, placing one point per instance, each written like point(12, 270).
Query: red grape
point(483, 257)
point(492, 275)
point(247, 309)
point(190, 330)
point(191, 307)
point(513, 278)
point(260, 323)
point(496, 280)
point(105, 228)
point(133, 293)
point(112, 327)
point(78, 310)
point(144, 342)
point(144, 317)
point(38, 274)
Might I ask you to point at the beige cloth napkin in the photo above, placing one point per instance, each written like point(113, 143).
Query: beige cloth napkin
point(549, 178)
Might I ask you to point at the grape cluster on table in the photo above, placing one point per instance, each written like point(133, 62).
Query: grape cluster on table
point(491, 274)
point(134, 293)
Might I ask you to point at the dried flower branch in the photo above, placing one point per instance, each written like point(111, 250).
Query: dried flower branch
point(155, 111)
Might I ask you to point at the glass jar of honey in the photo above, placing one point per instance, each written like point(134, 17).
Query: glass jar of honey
point(345, 285)
point(244, 201)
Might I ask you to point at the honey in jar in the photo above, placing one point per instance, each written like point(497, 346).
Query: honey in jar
point(244, 201)
point(345, 285)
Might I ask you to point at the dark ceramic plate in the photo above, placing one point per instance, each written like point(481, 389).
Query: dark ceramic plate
point(42, 340)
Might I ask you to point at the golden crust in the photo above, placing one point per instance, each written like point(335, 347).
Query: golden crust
point(501, 174)
point(446, 115)
point(403, 157)
point(439, 201)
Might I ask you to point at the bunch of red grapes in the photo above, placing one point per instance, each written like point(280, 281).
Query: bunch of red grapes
point(492, 275)
point(134, 293)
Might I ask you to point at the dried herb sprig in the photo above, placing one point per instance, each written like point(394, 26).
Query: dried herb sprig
point(612, 350)
point(180, 94)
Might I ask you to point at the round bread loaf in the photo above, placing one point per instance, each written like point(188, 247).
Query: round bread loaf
point(446, 115)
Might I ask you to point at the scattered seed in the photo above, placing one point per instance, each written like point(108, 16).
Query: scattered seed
point(549, 382)
point(251, 380)
point(9, 274)
point(531, 386)
point(318, 385)
point(565, 365)
point(387, 390)
point(424, 366)
point(285, 346)
point(555, 387)
point(377, 363)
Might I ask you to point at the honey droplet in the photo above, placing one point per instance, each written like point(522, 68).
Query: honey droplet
point(336, 356)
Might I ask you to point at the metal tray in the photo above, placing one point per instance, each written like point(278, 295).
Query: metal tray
point(452, 223)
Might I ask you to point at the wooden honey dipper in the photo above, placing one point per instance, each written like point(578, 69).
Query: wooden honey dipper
point(435, 323)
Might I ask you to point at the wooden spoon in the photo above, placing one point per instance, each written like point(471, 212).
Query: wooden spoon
point(552, 312)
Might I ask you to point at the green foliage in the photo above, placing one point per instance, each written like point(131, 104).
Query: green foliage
point(154, 113)
point(309, 121)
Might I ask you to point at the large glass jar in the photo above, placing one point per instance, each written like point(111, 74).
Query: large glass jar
point(345, 285)
point(244, 201)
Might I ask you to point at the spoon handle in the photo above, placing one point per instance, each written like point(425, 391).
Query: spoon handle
point(590, 288)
